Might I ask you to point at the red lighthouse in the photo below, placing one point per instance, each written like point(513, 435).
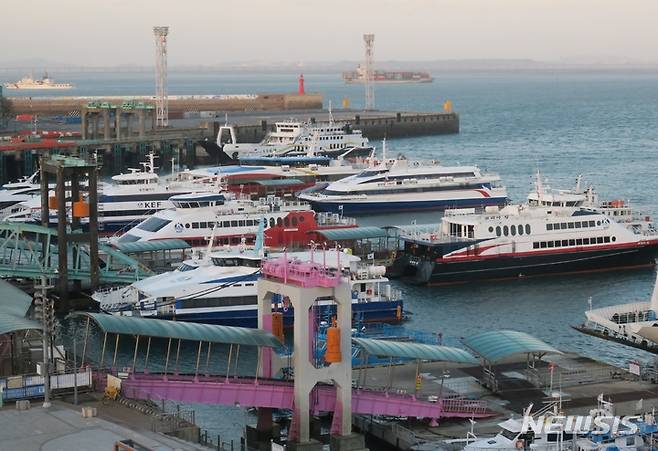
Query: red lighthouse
point(301, 85)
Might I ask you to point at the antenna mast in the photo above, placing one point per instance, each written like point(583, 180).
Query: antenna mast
point(161, 100)
point(369, 40)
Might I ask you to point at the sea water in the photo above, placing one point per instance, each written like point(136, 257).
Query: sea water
point(564, 123)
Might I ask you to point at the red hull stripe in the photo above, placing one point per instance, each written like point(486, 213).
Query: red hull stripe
point(560, 250)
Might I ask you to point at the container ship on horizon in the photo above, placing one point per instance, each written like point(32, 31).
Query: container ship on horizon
point(391, 77)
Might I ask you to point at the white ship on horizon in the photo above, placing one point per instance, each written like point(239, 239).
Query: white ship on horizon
point(44, 83)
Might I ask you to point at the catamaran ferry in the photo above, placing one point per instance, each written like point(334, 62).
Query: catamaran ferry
point(198, 216)
point(404, 185)
point(526, 240)
point(220, 288)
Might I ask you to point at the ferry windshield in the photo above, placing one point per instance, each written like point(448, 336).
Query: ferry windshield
point(371, 172)
point(222, 261)
point(153, 224)
point(185, 267)
point(509, 434)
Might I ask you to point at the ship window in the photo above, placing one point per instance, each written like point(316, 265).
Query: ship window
point(606, 239)
point(571, 225)
point(301, 219)
point(614, 238)
point(286, 221)
point(272, 223)
point(520, 230)
point(498, 231)
point(513, 230)
point(241, 223)
point(234, 223)
point(599, 240)
point(565, 242)
point(279, 222)
point(226, 224)
point(535, 245)
point(490, 229)
point(195, 225)
point(551, 244)
point(527, 229)
point(598, 222)
point(153, 224)
point(542, 244)
point(591, 223)
point(572, 242)
point(585, 240)
point(505, 230)
point(577, 224)
point(563, 225)
point(294, 221)
point(579, 241)
point(549, 226)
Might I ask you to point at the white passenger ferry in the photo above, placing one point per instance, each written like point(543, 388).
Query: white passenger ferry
point(124, 202)
point(527, 240)
point(294, 139)
point(221, 288)
point(404, 185)
point(198, 216)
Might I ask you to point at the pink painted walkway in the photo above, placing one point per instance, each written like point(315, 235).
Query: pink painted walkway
point(248, 392)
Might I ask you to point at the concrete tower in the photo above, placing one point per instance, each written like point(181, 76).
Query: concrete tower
point(161, 101)
point(369, 40)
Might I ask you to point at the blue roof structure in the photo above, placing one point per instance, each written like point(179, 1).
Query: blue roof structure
point(352, 233)
point(497, 345)
point(156, 245)
point(150, 327)
point(388, 348)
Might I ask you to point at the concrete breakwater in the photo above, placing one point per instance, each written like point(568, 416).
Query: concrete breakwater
point(178, 105)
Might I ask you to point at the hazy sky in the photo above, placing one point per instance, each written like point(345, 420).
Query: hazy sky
point(108, 32)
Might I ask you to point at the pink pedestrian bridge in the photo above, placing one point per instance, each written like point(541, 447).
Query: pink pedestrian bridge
point(251, 392)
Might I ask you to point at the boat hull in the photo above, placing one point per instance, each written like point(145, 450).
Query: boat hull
point(380, 311)
point(384, 206)
point(514, 267)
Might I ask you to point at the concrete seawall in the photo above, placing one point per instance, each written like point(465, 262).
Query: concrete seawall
point(373, 124)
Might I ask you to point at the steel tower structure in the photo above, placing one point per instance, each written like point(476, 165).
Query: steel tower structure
point(369, 40)
point(161, 101)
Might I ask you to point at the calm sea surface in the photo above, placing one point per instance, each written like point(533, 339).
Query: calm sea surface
point(600, 125)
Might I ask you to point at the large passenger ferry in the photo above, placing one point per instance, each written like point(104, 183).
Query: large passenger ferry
point(197, 217)
point(123, 203)
point(526, 240)
point(221, 289)
point(293, 139)
point(404, 185)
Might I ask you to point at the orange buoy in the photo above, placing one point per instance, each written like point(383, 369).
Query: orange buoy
point(333, 346)
point(398, 313)
point(52, 202)
point(277, 325)
point(80, 209)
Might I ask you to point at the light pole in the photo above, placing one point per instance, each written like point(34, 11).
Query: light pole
point(46, 311)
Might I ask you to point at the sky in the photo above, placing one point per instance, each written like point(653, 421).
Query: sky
point(114, 32)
